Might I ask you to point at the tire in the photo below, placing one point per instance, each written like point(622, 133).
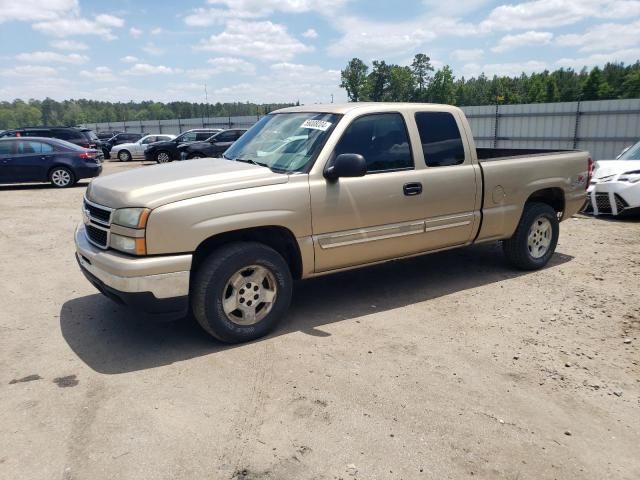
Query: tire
point(196, 155)
point(535, 238)
point(163, 157)
point(124, 155)
point(212, 285)
point(62, 177)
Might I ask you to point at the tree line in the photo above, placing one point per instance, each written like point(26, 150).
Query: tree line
point(421, 82)
point(74, 112)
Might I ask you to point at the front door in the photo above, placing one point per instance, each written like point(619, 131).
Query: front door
point(375, 217)
point(30, 161)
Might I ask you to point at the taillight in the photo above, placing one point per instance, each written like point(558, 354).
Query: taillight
point(87, 155)
point(85, 145)
point(589, 172)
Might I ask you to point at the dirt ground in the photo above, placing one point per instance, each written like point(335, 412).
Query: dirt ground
point(444, 367)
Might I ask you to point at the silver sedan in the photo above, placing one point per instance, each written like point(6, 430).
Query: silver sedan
point(135, 151)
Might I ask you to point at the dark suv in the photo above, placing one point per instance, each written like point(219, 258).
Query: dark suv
point(213, 146)
point(163, 152)
point(83, 137)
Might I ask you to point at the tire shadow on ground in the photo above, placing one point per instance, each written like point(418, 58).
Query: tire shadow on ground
point(112, 339)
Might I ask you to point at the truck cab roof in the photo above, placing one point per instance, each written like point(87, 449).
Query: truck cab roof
point(368, 107)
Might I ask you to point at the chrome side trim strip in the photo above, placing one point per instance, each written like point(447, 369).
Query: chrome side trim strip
point(354, 237)
point(448, 225)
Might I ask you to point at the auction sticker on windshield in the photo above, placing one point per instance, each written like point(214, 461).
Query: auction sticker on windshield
point(316, 125)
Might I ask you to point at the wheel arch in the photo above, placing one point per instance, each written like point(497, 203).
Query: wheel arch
point(552, 196)
point(280, 238)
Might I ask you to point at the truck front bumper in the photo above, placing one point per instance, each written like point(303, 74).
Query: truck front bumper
point(155, 285)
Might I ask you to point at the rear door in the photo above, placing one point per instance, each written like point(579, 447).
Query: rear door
point(451, 181)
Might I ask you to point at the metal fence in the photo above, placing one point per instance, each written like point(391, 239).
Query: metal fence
point(602, 127)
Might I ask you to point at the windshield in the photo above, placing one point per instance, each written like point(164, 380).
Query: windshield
point(284, 141)
point(632, 154)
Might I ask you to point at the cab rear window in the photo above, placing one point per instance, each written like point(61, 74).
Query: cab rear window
point(440, 137)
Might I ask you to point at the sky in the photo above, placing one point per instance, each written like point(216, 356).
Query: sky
point(269, 51)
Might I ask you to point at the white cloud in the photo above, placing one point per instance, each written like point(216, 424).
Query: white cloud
point(224, 10)
point(129, 59)
point(99, 74)
point(231, 64)
point(69, 45)
point(51, 57)
point(263, 40)
point(74, 26)
point(152, 49)
point(35, 10)
point(135, 32)
point(608, 36)
point(286, 82)
point(629, 55)
point(547, 14)
point(146, 69)
point(109, 20)
point(311, 33)
point(508, 69)
point(220, 65)
point(373, 39)
point(37, 71)
point(530, 38)
point(468, 55)
point(157, 31)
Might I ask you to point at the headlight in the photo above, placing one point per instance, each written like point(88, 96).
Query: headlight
point(134, 246)
point(131, 217)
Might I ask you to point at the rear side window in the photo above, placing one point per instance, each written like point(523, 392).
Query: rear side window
point(27, 147)
point(201, 136)
point(69, 135)
point(226, 137)
point(440, 137)
point(381, 139)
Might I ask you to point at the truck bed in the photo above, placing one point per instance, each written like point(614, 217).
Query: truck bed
point(490, 154)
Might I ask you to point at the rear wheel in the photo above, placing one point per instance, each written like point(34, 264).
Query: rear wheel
point(241, 291)
point(535, 238)
point(196, 155)
point(124, 155)
point(163, 157)
point(62, 177)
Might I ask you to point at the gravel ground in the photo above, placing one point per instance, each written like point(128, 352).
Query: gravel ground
point(444, 367)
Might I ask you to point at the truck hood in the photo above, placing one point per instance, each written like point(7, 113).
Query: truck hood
point(157, 185)
point(605, 168)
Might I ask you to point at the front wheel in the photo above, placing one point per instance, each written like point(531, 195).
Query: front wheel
point(195, 156)
point(535, 238)
point(124, 156)
point(61, 177)
point(241, 291)
point(163, 157)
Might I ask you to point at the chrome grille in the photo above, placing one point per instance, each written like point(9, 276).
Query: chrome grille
point(97, 213)
point(97, 220)
point(98, 236)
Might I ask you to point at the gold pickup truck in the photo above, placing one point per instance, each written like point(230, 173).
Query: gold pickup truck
point(314, 190)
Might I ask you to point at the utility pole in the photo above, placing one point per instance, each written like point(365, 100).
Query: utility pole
point(206, 101)
point(332, 98)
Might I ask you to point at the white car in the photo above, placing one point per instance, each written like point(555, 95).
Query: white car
point(135, 151)
point(615, 187)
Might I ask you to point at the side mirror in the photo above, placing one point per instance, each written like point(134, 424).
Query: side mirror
point(346, 165)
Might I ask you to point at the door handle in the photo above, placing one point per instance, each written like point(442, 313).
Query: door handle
point(411, 189)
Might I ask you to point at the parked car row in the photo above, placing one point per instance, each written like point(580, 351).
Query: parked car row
point(83, 137)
